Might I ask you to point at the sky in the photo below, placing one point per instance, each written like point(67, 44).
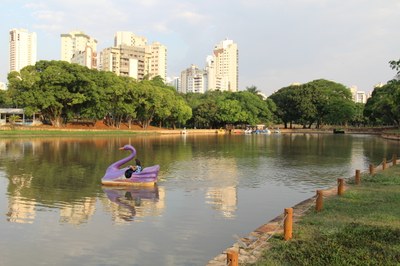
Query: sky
point(280, 42)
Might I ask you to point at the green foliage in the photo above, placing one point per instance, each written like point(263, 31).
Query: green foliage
point(61, 91)
point(395, 65)
point(215, 109)
point(384, 105)
point(317, 102)
point(5, 99)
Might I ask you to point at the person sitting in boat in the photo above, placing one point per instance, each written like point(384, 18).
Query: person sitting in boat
point(134, 169)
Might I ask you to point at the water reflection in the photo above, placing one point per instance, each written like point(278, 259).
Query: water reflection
point(129, 202)
point(223, 200)
point(210, 188)
point(20, 208)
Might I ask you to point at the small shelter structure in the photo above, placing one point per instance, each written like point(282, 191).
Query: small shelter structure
point(5, 113)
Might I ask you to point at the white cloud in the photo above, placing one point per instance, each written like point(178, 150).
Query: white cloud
point(192, 17)
point(49, 16)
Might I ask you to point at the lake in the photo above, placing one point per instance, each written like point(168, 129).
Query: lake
point(211, 190)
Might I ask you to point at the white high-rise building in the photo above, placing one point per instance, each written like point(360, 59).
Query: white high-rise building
point(359, 96)
point(79, 48)
point(223, 67)
point(193, 80)
point(174, 82)
point(131, 56)
point(128, 38)
point(23, 49)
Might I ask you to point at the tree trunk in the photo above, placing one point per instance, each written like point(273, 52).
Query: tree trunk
point(56, 121)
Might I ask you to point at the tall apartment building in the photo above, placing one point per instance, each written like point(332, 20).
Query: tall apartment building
point(221, 71)
point(223, 67)
point(359, 96)
point(158, 60)
point(193, 80)
point(23, 49)
point(128, 61)
point(128, 38)
point(174, 82)
point(132, 56)
point(79, 48)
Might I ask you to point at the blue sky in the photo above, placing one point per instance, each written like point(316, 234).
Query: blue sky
point(280, 41)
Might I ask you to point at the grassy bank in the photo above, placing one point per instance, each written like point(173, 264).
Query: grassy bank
point(362, 227)
point(66, 132)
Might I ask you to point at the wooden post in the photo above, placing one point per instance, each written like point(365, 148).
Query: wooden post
point(384, 164)
point(232, 258)
point(288, 223)
point(394, 159)
point(358, 177)
point(318, 206)
point(340, 186)
point(371, 169)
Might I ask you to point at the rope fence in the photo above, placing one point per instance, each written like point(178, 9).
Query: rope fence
point(287, 221)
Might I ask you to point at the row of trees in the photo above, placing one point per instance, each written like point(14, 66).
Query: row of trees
point(322, 102)
point(60, 91)
point(216, 109)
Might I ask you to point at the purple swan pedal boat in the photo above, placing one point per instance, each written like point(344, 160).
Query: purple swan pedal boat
point(115, 176)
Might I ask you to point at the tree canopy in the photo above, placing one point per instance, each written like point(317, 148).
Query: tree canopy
point(317, 102)
point(61, 91)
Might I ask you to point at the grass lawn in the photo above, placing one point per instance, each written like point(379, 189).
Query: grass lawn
point(61, 132)
point(361, 227)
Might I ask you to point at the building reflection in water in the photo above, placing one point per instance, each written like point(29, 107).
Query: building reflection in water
point(78, 212)
point(223, 199)
point(124, 204)
point(218, 175)
point(127, 203)
point(20, 209)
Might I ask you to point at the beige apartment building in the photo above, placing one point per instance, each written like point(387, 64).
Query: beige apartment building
point(79, 48)
point(193, 80)
point(224, 67)
point(22, 48)
point(128, 38)
point(132, 57)
point(127, 61)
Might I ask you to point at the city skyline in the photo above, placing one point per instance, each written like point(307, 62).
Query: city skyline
point(281, 42)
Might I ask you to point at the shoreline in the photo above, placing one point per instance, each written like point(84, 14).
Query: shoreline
point(88, 130)
point(251, 247)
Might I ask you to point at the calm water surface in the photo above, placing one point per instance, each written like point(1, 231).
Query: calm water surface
point(54, 211)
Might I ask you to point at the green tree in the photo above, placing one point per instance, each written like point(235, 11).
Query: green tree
point(358, 118)
point(395, 65)
point(52, 87)
point(319, 101)
point(255, 109)
point(285, 100)
point(384, 105)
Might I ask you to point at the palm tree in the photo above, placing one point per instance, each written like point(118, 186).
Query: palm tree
point(252, 89)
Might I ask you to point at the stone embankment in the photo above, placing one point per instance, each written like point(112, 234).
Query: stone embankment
point(251, 247)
